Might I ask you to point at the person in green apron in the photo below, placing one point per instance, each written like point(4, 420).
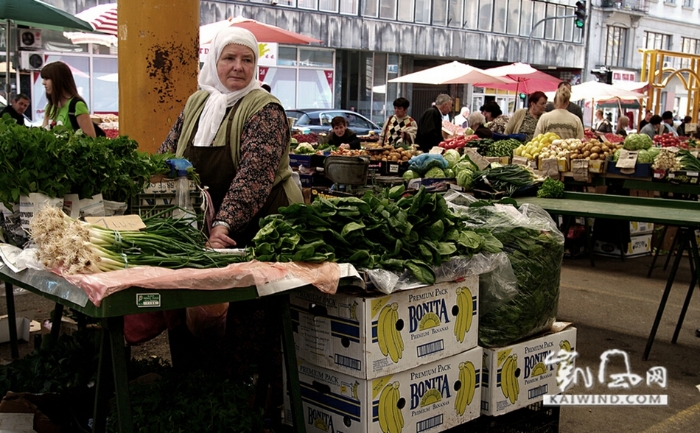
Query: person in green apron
point(237, 137)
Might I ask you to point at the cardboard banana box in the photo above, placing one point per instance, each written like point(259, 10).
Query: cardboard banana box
point(430, 398)
point(372, 335)
point(516, 376)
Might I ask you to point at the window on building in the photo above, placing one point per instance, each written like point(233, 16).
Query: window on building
point(670, 2)
point(689, 46)
point(292, 3)
point(328, 5)
point(559, 29)
point(471, 14)
point(405, 10)
point(688, 3)
point(657, 41)
point(485, 15)
point(538, 13)
point(370, 8)
point(307, 4)
point(387, 9)
point(568, 26)
point(423, 11)
point(500, 15)
point(526, 17)
point(455, 18)
point(439, 12)
point(550, 25)
point(349, 7)
point(513, 27)
point(615, 47)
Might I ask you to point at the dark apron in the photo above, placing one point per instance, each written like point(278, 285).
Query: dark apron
point(216, 170)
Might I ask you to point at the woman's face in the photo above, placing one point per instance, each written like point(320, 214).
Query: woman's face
point(47, 85)
point(235, 66)
point(538, 107)
point(339, 130)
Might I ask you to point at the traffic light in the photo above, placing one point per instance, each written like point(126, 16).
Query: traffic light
point(522, 96)
point(580, 13)
point(603, 75)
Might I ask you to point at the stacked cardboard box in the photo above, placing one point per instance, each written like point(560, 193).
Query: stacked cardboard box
point(376, 363)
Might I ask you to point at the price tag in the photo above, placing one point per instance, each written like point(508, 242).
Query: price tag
point(148, 300)
point(692, 173)
point(118, 222)
point(477, 159)
point(691, 127)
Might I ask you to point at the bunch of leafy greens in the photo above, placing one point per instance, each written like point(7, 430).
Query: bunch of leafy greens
point(506, 178)
point(535, 248)
point(551, 188)
point(60, 161)
point(415, 233)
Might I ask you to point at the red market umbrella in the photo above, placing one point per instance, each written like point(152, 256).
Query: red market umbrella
point(102, 18)
point(526, 79)
point(263, 32)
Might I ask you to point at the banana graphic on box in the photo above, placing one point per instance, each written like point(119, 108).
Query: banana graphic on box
point(465, 394)
point(388, 337)
point(390, 416)
point(509, 382)
point(564, 345)
point(465, 312)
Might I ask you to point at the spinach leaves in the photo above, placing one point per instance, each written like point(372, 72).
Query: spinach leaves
point(414, 232)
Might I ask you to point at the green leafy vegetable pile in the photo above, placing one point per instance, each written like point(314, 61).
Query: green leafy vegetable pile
point(535, 248)
point(60, 162)
point(551, 188)
point(507, 178)
point(414, 233)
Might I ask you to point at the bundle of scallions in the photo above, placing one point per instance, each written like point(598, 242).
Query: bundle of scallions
point(79, 247)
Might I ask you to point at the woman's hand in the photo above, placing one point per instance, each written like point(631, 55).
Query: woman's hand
point(344, 146)
point(218, 238)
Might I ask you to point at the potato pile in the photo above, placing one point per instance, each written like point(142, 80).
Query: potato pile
point(390, 154)
point(576, 149)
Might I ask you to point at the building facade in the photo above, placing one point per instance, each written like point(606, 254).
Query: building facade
point(619, 29)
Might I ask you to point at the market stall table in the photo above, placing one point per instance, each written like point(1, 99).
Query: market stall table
point(112, 310)
point(684, 214)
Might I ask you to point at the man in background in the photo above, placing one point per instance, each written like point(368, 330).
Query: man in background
point(667, 117)
point(17, 108)
point(430, 123)
point(572, 108)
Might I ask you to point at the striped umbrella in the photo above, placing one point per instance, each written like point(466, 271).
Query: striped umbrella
point(103, 18)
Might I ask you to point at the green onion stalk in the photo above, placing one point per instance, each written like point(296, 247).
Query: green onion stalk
point(79, 247)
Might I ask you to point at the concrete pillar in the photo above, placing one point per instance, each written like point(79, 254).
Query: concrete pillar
point(158, 66)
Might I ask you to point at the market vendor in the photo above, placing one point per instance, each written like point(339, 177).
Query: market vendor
point(654, 127)
point(341, 135)
point(236, 136)
point(495, 120)
point(400, 128)
point(524, 121)
point(560, 121)
point(476, 122)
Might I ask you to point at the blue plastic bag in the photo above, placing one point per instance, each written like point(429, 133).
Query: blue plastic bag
point(425, 161)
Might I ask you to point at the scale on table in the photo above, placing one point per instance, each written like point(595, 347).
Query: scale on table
point(350, 171)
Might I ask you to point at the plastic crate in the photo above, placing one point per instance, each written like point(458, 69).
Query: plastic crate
point(146, 205)
point(535, 418)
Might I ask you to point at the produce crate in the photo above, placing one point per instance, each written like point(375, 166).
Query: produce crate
point(297, 160)
point(640, 170)
point(146, 205)
point(683, 176)
point(535, 418)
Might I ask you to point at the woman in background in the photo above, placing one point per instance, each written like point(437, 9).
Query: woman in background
point(60, 91)
point(622, 124)
point(524, 121)
point(560, 121)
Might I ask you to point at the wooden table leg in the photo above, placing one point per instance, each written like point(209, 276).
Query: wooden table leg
point(664, 298)
point(290, 363)
point(11, 320)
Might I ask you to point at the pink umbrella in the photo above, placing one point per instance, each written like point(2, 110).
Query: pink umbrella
point(103, 18)
point(526, 79)
point(263, 32)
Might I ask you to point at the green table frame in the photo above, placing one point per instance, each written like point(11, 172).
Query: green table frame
point(682, 213)
point(112, 356)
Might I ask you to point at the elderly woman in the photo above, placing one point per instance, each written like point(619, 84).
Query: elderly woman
point(476, 122)
point(560, 121)
point(237, 137)
point(524, 121)
point(462, 118)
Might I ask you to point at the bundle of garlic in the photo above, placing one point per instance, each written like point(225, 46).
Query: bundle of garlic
point(666, 160)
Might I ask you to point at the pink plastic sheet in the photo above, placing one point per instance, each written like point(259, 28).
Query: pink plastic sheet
point(323, 276)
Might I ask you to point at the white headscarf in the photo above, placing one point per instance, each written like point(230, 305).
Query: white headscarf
point(220, 97)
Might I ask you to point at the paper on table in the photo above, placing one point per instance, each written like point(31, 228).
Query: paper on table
point(9, 254)
point(627, 161)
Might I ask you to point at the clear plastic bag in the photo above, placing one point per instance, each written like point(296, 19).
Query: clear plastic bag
point(535, 249)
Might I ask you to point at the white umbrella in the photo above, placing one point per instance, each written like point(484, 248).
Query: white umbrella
point(103, 18)
point(594, 90)
point(450, 73)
